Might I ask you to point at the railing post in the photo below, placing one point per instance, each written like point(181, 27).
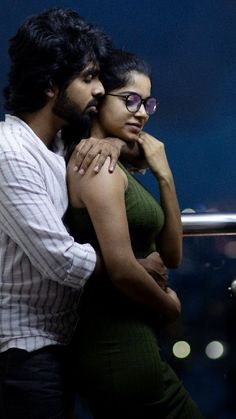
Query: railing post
point(208, 224)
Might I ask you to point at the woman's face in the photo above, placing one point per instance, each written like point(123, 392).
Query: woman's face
point(114, 118)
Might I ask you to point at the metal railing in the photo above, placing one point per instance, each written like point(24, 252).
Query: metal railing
point(208, 224)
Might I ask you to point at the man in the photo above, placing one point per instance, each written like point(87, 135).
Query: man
point(53, 83)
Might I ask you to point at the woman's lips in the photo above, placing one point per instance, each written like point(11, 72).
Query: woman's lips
point(136, 128)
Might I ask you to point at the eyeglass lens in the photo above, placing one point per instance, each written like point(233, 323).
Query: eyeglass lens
point(134, 101)
point(150, 105)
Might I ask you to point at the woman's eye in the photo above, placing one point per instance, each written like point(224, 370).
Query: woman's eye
point(131, 101)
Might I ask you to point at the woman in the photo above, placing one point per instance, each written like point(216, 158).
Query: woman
point(118, 364)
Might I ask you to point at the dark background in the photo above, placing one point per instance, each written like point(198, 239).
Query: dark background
point(191, 47)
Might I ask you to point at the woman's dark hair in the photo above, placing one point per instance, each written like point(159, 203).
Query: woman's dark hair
point(116, 69)
point(50, 48)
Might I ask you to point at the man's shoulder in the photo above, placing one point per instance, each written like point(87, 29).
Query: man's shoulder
point(17, 140)
point(12, 134)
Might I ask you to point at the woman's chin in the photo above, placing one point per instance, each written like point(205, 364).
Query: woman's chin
point(129, 137)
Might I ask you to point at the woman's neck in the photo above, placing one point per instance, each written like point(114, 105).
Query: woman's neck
point(97, 131)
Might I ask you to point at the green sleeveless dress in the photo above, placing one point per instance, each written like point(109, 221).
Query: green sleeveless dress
point(118, 366)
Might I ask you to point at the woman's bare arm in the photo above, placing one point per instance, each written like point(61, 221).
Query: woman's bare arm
point(170, 238)
point(103, 195)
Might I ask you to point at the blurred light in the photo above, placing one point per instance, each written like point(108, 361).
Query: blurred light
point(230, 250)
point(214, 350)
point(181, 349)
point(188, 210)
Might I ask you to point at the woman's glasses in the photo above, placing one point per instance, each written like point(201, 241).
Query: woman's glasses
point(133, 102)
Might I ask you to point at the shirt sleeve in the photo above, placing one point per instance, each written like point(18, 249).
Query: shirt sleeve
point(29, 218)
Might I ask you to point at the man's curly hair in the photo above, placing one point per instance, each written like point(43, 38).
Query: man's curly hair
point(49, 49)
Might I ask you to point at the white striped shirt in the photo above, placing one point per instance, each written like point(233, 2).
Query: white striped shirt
point(42, 269)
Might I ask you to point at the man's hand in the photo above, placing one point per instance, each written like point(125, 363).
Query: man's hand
point(176, 310)
point(156, 268)
point(88, 149)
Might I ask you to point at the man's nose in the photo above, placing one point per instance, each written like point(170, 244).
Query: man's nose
point(98, 89)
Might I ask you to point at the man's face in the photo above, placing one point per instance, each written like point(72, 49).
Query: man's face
point(79, 100)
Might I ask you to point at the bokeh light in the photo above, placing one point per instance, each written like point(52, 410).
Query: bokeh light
point(181, 349)
point(230, 249)
point(214, 350)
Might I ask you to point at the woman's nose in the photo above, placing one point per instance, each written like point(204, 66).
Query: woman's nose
point(142, 113)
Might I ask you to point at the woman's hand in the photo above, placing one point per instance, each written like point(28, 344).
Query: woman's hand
point(154, 151)
point(88, 149)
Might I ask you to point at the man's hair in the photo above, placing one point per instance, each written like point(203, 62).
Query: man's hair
point(50, 49)
point(116, 70)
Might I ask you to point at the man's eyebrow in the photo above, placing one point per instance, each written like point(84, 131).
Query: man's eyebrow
point(94, 71)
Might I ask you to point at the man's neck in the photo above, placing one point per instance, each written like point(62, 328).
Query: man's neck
point(44, 124)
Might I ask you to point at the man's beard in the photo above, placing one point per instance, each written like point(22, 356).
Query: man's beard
point(68, 110)
point(78, 123)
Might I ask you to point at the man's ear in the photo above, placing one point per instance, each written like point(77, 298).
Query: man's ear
point(51, 91)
